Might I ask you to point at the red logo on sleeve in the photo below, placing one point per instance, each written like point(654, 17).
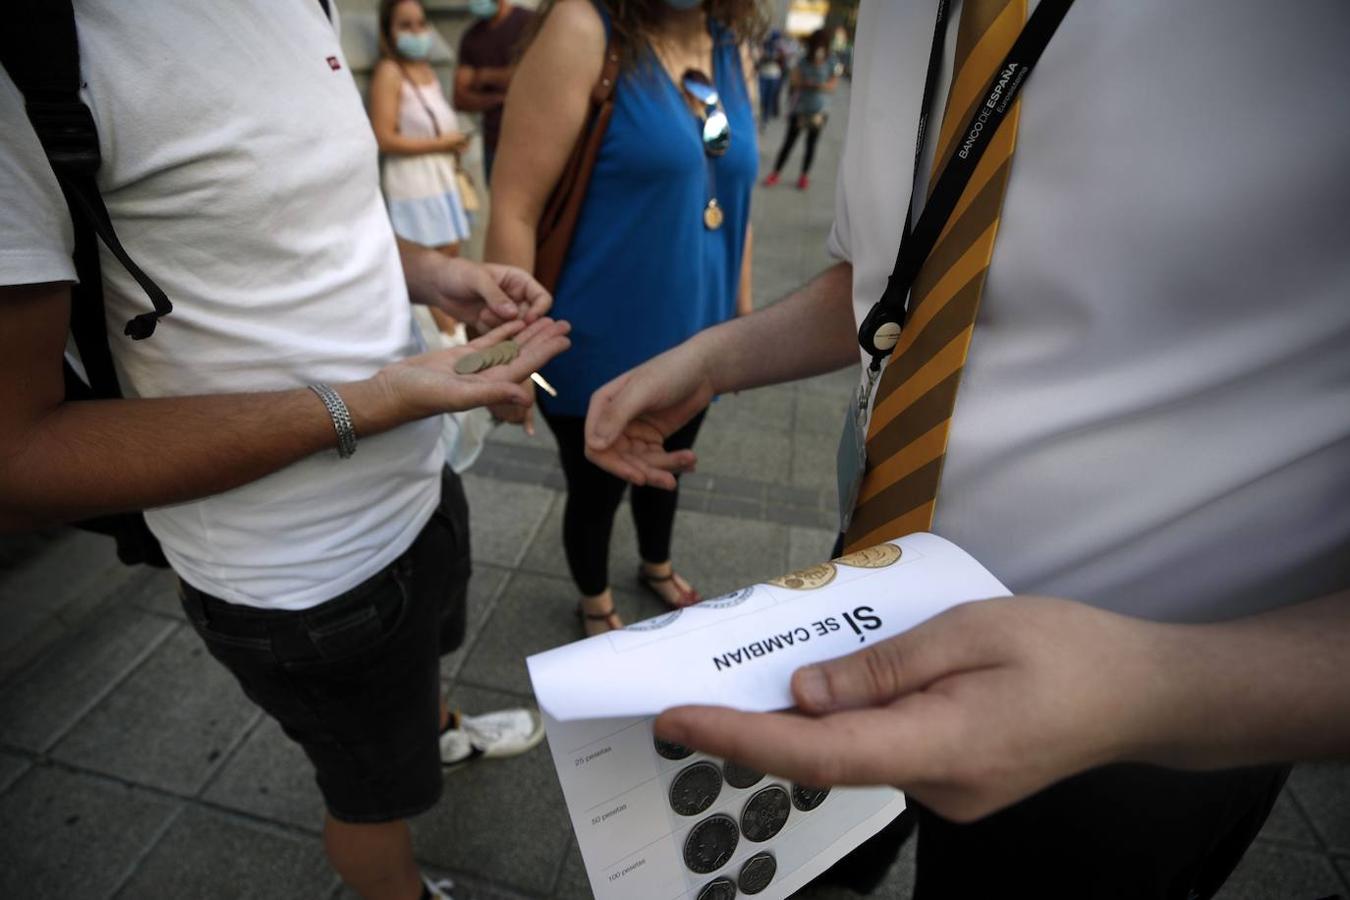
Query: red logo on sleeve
point(333, 63)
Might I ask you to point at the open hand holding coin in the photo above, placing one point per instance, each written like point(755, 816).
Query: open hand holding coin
point(498, 355)
point(488, 370)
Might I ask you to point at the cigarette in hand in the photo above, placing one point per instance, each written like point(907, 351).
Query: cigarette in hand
point(543, 384)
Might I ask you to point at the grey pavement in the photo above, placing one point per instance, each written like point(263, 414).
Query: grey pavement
point(131, 766)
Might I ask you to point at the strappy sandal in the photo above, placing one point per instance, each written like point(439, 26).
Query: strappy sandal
point(585, 617)
point(687, 597)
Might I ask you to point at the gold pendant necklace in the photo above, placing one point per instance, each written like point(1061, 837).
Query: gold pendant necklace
point(713, 215)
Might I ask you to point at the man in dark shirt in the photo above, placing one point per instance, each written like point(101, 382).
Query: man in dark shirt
point(487, 57)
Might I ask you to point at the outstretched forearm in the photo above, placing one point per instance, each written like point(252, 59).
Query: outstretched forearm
point(85, 459)
point(63, 460)
point(809, 332)
point(478, 90)
point(1265, 688)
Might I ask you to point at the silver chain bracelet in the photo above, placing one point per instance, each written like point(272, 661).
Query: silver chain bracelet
point(342, 419)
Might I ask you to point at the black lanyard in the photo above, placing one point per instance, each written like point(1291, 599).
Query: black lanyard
point(916, 244)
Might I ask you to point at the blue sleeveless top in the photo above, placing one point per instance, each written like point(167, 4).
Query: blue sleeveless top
point(643, 273)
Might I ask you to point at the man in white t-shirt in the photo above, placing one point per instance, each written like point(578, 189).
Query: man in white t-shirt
point(239, 171)
point(1153, 420)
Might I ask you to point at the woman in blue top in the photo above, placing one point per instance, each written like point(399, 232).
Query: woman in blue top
point(661, 248)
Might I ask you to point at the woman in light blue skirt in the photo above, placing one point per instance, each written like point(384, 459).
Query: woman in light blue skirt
point(417, 132)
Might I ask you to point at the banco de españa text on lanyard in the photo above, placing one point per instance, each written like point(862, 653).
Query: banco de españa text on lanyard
point(902, 443)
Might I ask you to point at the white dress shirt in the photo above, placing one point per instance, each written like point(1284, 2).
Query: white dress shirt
point(1155, 413)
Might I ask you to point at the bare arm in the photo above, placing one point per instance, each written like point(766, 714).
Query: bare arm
point(1260, 689)
point(549, 100)
point(498, 77)
point(993, 701)
point(385, 87)
point(751, 80)
point(822, 309)
point(630, 417)
point(61, 461)
point(470, 95)
point(745, 302)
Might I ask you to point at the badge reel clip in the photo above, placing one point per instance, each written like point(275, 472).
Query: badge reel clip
point(878, 335)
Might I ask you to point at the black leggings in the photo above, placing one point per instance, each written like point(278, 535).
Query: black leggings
point(593, 496)
point(795, 126)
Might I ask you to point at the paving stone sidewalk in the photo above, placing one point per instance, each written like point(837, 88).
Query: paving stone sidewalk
point(131, 766)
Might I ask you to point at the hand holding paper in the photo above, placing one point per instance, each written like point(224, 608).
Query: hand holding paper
point(658, 820)
point(968, 712)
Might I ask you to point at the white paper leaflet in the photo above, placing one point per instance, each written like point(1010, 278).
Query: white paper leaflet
point(659, 822)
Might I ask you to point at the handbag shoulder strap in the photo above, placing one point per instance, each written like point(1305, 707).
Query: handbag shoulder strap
point(609, 76)
point(420, 99)
point(563, 209)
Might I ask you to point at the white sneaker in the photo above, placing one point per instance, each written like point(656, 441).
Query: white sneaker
point(439, 890)
point(494, 735)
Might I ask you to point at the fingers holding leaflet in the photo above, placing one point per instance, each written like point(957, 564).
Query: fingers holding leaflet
point(877, 746)
point(944, 645)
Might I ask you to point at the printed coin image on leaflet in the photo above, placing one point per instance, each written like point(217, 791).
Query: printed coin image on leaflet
point(670, 750)
point(739, 776)
point(757, 872)
point(765, 813)
point(807, 579)
point(718, 889)
point(878, 557)
point(808, 798)
point(710, 844)
point(695, 789)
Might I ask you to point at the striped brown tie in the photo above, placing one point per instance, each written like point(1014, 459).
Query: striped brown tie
point(907, 437)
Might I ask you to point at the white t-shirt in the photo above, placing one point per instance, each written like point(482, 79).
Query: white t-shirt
point(239, 169)
point(1155, 413)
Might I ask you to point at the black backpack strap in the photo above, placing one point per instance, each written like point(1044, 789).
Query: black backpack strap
point(40, 50)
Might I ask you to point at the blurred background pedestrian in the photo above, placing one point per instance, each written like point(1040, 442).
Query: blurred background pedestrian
point(487, 55)
point(771, 68)
point(813, 81)
point(661, 249)
point(418, 133)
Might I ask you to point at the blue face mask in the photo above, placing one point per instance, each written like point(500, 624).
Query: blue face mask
point(483, 9)
point(413, 46)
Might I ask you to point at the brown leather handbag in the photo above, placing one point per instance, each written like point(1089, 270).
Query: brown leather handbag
point(559, 220)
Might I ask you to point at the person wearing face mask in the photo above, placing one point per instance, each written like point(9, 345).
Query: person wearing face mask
point(417, 133)
point(487, 56)
point(812, 83)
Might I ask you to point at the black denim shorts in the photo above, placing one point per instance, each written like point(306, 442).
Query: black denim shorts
point(355, 680)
